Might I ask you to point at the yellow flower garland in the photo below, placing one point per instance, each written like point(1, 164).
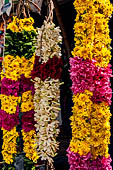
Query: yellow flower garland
point(27, 101)
point(80, 123)
point(15, 66)
point(29, 145)
point(9, 103)
point(90, 122)
point(92, 31)
point(18, 25)
point(90, 134)
point(9, 145)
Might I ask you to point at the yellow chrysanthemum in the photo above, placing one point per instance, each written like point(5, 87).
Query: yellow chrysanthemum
point(82, 147)
point(92, 27)
point(90, 125)
point(27, 101)
point(29, 145)
point(18, 25)
point(9, 103)
point(27, 66)
point(9, 145)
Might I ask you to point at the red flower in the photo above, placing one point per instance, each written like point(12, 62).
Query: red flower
point(52, 69)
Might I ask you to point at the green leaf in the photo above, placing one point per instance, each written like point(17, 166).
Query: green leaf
point(33, 168)
point(29, 43)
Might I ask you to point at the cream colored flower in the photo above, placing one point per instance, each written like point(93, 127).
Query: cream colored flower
point(48, 41)
point(46, 102)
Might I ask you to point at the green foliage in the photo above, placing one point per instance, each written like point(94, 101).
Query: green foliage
point(20, 43)
point(8, 167)
point(28, 164)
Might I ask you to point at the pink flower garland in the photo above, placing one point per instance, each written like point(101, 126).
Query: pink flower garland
point(28, 116)
point(26, 84)
point(28, 121)
point(84, 162)
point(9, 121)
point(86, 76)
point(9, 87)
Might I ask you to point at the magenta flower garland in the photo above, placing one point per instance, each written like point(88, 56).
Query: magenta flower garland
point(9, 117)
point(86, 76)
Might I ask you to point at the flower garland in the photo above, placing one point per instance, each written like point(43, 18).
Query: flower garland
point(86, 76)
point(46, 102)
point(90, 74)
point(17, 66)
point(49, 40)
point(92, 30)
point(28, 129)
point(9, 116)
point(46, 75)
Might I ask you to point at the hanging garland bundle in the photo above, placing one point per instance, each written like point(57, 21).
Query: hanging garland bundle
point(28, 129)
point(9, 112)
point(47, 75)
point(90, 74)
point(17, 66)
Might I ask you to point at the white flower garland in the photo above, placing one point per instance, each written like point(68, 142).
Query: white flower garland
point(46, 102)
point(47, 94)
point(48, 40)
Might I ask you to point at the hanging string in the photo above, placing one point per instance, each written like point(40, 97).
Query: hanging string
point(19, 8)
point(35, 5)
point(50, 11)
point(4, 42)
point(23, 9)
point(49, 18)
point(28, 8)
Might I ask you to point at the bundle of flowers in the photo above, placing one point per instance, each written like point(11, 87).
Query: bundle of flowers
point(17, 66)
point(52, 68)
point(85, 162)
point(86, 76)
point(90, 74)
point(92, 39)
point(8, 121)
point(9, 113)
point(47, 107)
point(46, 77)
point(48, 41)
point(28, 129)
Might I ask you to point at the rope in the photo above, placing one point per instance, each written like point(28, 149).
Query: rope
point(49, 18)
point(35, 5)
point(50, 11)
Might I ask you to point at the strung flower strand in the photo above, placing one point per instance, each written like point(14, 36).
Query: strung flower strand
point(47, 107)
point(90, 74)
point(48, 41)
point(46, 76)
point(18, 64)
